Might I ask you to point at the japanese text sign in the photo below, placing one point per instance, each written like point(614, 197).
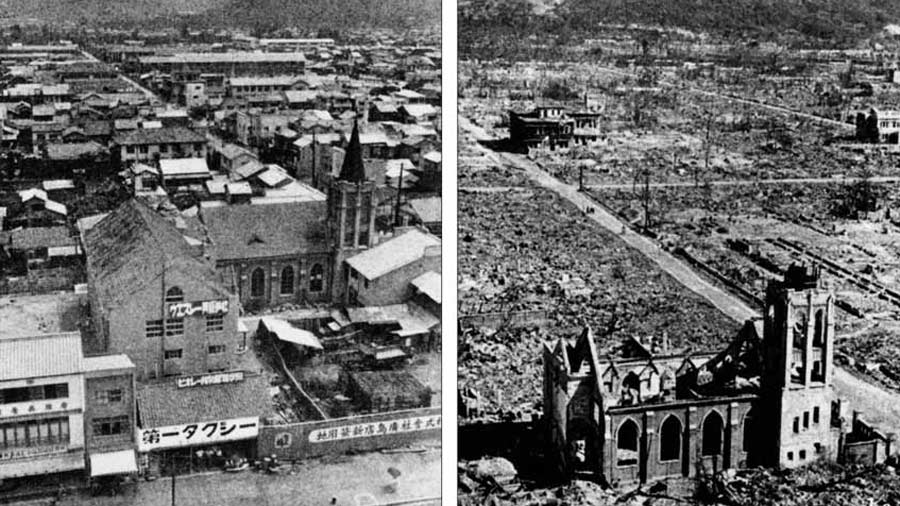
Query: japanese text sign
point(205, 308)
point(373, 429)
point(202, 380)
point(191, 434)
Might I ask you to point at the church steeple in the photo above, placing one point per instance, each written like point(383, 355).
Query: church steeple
point(352, 170)
point(352, 204)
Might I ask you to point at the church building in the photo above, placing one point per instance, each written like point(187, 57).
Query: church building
point(767, 399)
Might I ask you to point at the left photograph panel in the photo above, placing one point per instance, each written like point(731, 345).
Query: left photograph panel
point(220, 252)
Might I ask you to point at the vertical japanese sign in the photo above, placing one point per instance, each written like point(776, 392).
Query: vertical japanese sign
point(200, 433)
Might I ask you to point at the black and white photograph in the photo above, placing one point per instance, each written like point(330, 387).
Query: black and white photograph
point(220, 252)
point(678, 252)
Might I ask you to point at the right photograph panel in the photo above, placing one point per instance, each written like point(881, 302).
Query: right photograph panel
point(678, 252)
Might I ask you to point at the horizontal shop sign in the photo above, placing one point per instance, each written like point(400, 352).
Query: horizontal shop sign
point(199, 433)
point(39, 451)
point(373, 429)
point(202, 380)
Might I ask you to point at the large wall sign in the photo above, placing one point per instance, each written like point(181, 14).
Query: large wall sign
point(205, 308)
point(372, 429)
point(200, 433)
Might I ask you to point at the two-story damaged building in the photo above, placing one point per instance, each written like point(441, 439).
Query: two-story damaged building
point(767, 399)
point(554, 127)
point(879, 126)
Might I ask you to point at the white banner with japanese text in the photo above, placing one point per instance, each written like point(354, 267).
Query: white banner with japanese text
point(377, 428)
point(200, 433)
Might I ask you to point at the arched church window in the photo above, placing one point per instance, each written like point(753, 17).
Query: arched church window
point(287, 280)
point(627, 439)
point(258, 283)
point(670, 439)
point(316, 278)
point(712, 434)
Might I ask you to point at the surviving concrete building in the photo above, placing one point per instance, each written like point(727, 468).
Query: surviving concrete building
point(878, 126)
point(553, 127)
point(767, 399)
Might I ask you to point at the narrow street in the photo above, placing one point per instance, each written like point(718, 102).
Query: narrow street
point(878, 405)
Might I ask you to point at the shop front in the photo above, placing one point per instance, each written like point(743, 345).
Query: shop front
point(110, 470)
point(199, 423)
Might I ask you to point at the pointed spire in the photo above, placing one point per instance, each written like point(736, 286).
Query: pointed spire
point(352, 169)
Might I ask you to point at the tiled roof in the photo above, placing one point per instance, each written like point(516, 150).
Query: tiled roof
point(74, 150)
point(264, 230)
point(38, 356)
point(134, 245)
point(39, 237)
point(164, 404)
point(170, 135)
point(393, 254)
point(232, 57)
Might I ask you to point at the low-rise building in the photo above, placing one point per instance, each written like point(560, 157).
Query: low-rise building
point(381, 275)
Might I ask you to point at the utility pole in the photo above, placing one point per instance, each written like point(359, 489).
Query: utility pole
point(173, 479)
point(646, 198)
point(706, 155)
point(399, 192)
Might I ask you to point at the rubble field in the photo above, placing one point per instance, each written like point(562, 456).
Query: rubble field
point(750, 233)
point(529, 250)
point(681, 128)
point(494, 481)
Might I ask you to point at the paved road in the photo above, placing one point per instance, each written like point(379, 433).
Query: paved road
point(360, 480)
point(879, 406)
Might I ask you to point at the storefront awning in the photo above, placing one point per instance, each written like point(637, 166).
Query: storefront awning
point(121, 462)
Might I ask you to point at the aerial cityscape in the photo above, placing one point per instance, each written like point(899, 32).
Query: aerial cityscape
point(220, 254)
point(677, 252)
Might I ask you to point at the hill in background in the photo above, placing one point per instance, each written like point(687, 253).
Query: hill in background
point(269, 14)
point(836, 23)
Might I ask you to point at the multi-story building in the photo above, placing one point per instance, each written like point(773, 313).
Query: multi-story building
point(767, 399)
point(146, 144)
point(155, 298)
point(237, 63)
point(878, 126)
point(552, 126)
point(63, 412)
